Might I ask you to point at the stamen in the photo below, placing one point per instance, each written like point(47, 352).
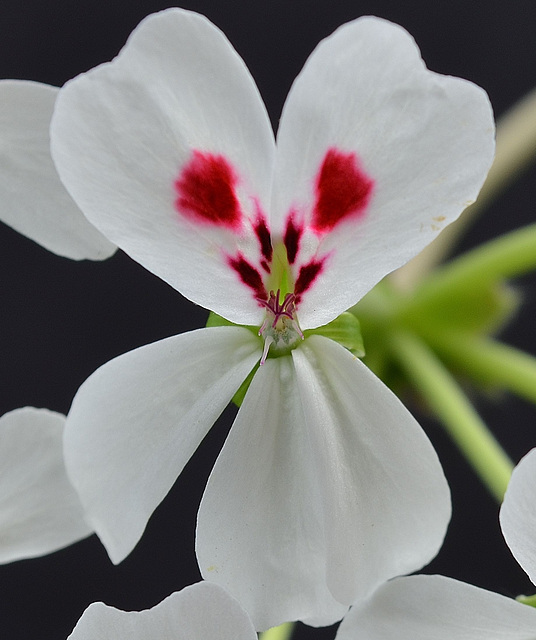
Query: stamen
point(283, 331)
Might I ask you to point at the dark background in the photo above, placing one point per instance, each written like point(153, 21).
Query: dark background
point(60, 320)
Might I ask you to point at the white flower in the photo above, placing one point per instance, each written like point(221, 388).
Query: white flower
point(326, 486)
point(33, 200)
point(439, 608)
point(202, 611)
point(39, 510)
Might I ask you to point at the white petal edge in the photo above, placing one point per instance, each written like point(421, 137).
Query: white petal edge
point(317, 495)
point(426, 140)
point(438, 608)
point(123, 132)
point(39, 509)
point(137, 420)
point(33, 200)
point(518, 514)
point(260, 530)
point(201, 611)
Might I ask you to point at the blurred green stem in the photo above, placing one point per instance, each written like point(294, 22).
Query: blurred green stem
point(448, 402)
point(490, 362)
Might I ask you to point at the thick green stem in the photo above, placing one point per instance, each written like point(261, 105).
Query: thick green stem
point(282, 632)
point(491, 362)
point(448, 402)
point(510, 255)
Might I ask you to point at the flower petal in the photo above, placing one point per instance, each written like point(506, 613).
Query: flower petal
point(33, 200)
point(518, 514)
point(319, 486)
point(372, 460)
point(437, 608)
point(202, 611)
point(260, 528)
point(377, 154)
point(39, 510)
point(137, 420)
point(152, 144)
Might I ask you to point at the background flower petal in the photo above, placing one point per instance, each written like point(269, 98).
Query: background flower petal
point(32, 199)
point(518, 514)
point(437, 608)
point(260, 531)
point(39, 509)
point(425, 140)
point(137, 420)
point(202, 611)
point(178, 98)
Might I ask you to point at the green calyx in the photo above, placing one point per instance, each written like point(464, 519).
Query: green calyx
point(345, 330)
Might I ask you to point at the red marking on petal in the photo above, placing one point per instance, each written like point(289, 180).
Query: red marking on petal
point(291, 239)
point(249, 276)
point(263, 235)
point(206, 188)
point(343, 190)
point(306, 276)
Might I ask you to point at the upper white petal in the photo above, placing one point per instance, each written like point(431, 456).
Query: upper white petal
point(202, 611)
point(137, 420)
point(39, 509)
point(426, 140)
point(32, 199)
point(518, 514)
point(437, 608)
point(122, 133)
point(317, 495)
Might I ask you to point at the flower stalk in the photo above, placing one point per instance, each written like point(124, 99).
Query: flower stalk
point(448, 402)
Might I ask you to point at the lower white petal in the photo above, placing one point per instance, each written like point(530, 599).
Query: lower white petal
point(518, 514)
point(385, 500)
point(438, 608)
point(137, 420)
point(33, 200)
point(39, 510)
point(202, 611)
point(260, 531)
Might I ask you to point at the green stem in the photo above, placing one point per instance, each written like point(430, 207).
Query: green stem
point(491, 362)
point(445, 398)
point(510, 255)
point(282, 632)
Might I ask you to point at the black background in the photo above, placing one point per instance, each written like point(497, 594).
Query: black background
point(60, 320)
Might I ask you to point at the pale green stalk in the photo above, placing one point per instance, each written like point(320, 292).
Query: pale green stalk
point(516, 149)
point(490, 362)
point(509, 255)
point(450, 405)
point(282, 632)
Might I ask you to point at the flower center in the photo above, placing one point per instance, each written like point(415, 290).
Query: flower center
point(280, 329)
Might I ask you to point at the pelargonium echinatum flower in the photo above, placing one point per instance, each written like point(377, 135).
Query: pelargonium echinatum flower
point(326, 485)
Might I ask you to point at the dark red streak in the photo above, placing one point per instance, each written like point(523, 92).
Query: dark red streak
point(265, 241)
point(291, 239)
point(249, 276)
point(206, 188)
point(307, 276)
point(342, 190)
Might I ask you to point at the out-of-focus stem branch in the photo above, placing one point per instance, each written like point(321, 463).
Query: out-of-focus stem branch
point(444, 397)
